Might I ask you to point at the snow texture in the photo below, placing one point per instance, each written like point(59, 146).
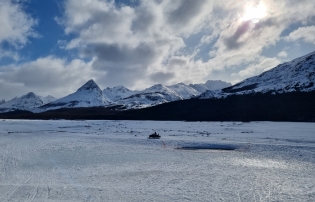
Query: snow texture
point(115, 161)
point(295, 76)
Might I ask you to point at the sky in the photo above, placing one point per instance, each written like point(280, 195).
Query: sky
point(52, 47)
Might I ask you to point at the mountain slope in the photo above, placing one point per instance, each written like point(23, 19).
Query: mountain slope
point(117, 93)
point(89, 95)
point(184, 90)
point(295, 76)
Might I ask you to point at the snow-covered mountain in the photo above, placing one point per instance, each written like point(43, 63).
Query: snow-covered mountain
point(2, 102)
point(295, 76)
point(29, 102)
point(184, 91)
point(117, 93)
point(159, 94)
point(155, 95)
point(89, 95)
point(201, 88)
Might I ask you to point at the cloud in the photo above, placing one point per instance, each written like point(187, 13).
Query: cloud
point(306, 34)
point(162, 77)
point(44, 76)
point(232, 42)
point(261, 65)
point(135, 45)
point(282, 54)
point(16, 27)
point(155, 41)
point(131, 43)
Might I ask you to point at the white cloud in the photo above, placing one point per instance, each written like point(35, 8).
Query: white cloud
point(47, 75)
point(261, 65)
point(16, 26)
point(306, 34)
point(137, 46)
point(128, 43)
point(282, 54)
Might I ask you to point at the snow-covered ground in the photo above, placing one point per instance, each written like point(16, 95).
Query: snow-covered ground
point(114, 161)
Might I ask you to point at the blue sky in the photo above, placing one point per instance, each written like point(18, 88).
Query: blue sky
point(55, 46)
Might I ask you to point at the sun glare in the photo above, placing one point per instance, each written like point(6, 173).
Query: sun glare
point(255, 13)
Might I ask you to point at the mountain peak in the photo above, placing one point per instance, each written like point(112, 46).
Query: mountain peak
point(29, 95)
point(90, 85)
point(29, 102)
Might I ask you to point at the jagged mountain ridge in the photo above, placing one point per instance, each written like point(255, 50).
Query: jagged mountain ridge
point(90, 95)
point(297, 75)
point(117, 93)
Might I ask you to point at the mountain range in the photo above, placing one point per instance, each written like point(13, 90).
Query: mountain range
point(90, 95)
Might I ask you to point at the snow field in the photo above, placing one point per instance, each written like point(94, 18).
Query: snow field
point(114, 161)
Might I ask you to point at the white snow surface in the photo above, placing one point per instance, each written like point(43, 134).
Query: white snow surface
point(89, 95)
point(114, 161)
point(295, 76)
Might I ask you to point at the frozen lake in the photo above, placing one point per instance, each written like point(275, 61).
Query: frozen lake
point(115, 161)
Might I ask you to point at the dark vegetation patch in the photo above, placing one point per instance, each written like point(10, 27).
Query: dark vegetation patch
point(295, 106)
point(232, 89)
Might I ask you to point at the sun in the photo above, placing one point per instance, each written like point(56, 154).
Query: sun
point(255, 13)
